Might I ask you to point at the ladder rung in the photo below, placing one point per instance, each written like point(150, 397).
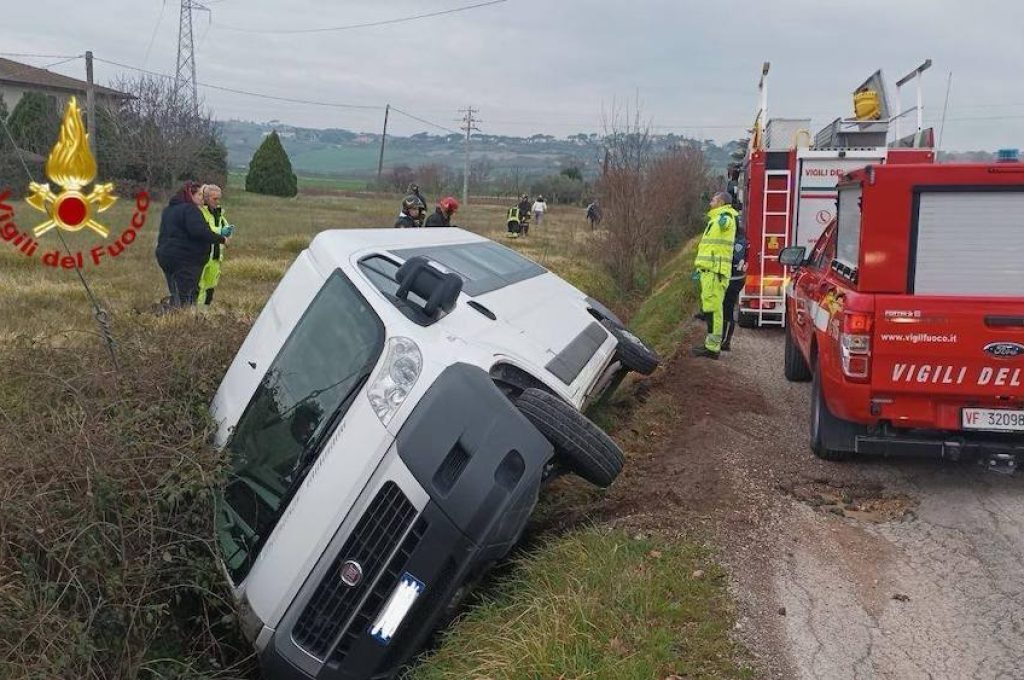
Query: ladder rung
point(777, 214)
point(774, 235)
point(777, 191)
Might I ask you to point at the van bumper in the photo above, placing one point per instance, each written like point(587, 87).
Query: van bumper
point(442, 560)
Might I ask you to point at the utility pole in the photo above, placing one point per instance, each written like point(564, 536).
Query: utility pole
point(380, 161)
point(468, 126)
point(185, 75)
point(90, 103)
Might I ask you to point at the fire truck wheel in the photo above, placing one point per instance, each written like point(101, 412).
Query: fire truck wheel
point(795, 366)
point(632, 352)
point(831, 437)
point(579, 444)
point(747, 320)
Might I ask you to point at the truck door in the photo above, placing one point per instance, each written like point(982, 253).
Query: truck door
point(810, 286)
point(820, 171)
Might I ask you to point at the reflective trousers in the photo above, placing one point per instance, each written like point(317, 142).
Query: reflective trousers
point(712, 302)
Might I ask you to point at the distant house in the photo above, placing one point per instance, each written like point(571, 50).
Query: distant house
point(16, 79)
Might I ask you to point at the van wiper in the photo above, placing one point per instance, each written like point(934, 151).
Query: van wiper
point(312, 448)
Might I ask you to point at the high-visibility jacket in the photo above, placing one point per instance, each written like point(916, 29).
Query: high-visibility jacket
point(513, 214)
point(715, 250)
point(211, 270)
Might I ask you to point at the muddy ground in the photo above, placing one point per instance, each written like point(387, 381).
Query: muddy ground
point(866, 569)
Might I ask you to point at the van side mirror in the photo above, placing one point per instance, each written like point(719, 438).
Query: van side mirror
point(440, 290)
point(793, 256)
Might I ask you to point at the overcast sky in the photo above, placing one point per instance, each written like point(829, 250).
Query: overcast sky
point(560, 66)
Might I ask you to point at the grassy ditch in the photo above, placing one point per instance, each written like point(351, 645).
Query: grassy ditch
point(107, 568)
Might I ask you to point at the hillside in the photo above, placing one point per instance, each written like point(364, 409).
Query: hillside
point(355, 154)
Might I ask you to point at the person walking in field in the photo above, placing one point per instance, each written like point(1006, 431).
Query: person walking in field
point(183, 244)
point(714, 267)
point(512, 222)
point(539, 207)
point(442, 216)
point(594, 215)
point(213, 213)
point(524, 214)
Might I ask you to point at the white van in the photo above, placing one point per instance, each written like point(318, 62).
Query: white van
point(389, 421)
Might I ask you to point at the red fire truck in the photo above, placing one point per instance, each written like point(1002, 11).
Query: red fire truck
point(788, 181)
point(908, 314)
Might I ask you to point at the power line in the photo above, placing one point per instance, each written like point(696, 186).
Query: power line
point(152, 38)
point(260, 95)
point(64, 61)
point(424, 121)
point(370, 24)
point(38, 56)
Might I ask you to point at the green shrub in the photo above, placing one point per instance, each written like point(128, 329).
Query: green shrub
point(270, 171)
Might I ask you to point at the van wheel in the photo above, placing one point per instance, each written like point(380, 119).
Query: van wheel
point(831, 438)
point(579, 444)
point(795, 367)
point(632, 352)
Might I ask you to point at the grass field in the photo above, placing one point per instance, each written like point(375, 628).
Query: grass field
point(236, 181)
point(560, 610)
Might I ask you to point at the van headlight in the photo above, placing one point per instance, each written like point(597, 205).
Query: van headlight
point(395, 378)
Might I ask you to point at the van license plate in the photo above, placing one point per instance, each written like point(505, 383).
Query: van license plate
point(402, 598)
point(994, 419)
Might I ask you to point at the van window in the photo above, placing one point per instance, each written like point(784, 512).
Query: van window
point(848, 241)
point(307, 388)
point(969, 242)
point(484, 267)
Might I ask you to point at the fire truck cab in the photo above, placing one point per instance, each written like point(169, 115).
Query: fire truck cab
point(907, 313)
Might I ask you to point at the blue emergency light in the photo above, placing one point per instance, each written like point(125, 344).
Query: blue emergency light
point(1008, 156)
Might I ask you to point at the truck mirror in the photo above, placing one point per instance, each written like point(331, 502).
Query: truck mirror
point(792, 256)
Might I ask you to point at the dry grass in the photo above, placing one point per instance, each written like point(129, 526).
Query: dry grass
point(106, 563)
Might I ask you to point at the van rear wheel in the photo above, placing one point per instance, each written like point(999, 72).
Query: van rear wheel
point(831, 438)
point(632, 352)
point(579, 444)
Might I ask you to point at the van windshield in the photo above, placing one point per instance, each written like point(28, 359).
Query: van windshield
point(303, 395)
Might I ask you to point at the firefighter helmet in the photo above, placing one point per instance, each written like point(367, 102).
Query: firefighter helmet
point(448, 205)
point(413, 206)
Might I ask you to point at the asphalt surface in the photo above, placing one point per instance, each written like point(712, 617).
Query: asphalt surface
point(861, 570)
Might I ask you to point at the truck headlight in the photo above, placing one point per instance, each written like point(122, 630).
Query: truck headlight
point(395, 378)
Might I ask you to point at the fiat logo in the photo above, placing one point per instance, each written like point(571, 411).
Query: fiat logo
point(1005, 350)
point(351, 573)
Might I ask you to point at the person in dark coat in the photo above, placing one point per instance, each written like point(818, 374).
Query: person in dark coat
point(442, 216)
point(411, 216)
point(183, 244)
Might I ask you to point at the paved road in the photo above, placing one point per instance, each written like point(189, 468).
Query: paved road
point(862, 570)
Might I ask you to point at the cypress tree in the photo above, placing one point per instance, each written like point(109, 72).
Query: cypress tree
point(270, 171)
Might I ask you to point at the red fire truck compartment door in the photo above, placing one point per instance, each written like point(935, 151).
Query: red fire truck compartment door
point(971, 348)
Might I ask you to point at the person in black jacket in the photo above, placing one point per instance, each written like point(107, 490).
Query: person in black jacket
point(411, 216)
point(183, 244)
point(442, 216)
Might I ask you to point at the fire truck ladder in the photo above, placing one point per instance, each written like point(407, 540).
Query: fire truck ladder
point(776, 316)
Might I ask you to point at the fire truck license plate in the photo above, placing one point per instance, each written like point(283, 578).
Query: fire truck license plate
point(1000, 420)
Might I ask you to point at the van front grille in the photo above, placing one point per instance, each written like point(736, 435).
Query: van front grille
point(370, 546)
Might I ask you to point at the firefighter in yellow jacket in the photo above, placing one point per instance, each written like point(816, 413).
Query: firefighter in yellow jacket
point(714, 267)
point(213, 213)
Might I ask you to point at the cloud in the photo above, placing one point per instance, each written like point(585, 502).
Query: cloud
point(538, 66)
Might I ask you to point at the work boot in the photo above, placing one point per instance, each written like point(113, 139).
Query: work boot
point(704, 353)
point(726, 346)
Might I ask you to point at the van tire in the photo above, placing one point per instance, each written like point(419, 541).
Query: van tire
point(632, 352)
point(795, 366)
point(579, 444)
point(831, 438)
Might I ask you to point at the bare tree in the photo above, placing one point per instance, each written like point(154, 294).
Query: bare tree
point(647, 200)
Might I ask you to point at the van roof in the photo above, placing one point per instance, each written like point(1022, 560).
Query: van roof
point(336, 245)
